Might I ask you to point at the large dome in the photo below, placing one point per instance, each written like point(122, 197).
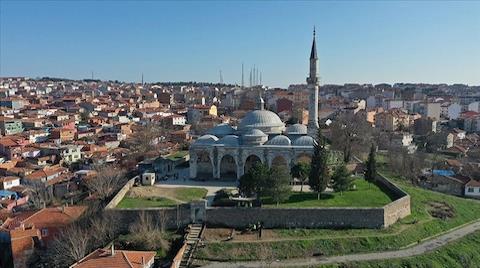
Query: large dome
point(267, 121)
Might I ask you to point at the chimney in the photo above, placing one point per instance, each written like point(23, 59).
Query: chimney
point(113, 249)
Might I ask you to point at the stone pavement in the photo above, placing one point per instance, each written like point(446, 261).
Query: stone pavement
point(212, 186)
point(419, 249)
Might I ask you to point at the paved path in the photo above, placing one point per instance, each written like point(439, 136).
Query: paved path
point(419, 249)
point(212, 186)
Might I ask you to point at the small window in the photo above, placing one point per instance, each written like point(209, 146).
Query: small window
point(470, 189)
point(44, 232)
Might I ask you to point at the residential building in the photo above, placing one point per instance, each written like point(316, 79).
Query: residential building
point(472, 189)
point(9, 182)
point(10, 126)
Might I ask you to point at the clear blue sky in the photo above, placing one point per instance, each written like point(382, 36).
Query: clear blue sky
point(364, 42)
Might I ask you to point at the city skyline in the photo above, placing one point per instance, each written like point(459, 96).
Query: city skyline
point(366, 42)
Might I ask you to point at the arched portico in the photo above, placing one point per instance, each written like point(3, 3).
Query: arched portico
point(204, 165)
point(251, 161)
point(303, 158)
point(279, 161)
point(228, 168)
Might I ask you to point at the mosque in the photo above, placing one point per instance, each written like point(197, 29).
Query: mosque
point(226, 153)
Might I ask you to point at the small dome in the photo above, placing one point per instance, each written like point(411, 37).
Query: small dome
point(304, 141)
point(206, 139)
point(297, 129)
point(279, 140)
point(254, 137)
point(221, 130)
point(255, 133)
point(229, 140)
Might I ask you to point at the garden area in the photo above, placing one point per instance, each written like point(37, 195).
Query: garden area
point(432, 214)
point(352, 198)
point(298, 243)
point(151, 196)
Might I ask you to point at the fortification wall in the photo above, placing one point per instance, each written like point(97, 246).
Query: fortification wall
point(296, 217)
point(121, 193)
point(239, 217)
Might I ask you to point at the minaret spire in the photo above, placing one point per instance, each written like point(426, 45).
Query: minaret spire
point(312, 85)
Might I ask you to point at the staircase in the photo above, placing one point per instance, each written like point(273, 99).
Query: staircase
point(192, 238)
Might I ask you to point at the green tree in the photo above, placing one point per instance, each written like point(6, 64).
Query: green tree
point(341, 179)
point(319, 175)
point(254, 181)
point(371, 168)
point(278, 184)
point(301, 171)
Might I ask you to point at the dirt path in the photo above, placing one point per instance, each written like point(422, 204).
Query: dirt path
point(419, 249)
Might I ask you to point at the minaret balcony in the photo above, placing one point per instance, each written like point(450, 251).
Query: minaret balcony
point(312, 80)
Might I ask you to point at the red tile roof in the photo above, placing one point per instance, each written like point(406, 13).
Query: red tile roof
point(473, 183)
point(121, 258)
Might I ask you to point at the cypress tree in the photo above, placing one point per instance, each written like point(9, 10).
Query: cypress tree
point(318, 178)
point(371, 168)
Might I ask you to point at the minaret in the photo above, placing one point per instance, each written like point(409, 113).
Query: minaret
point(312, 85)
point(260, 102)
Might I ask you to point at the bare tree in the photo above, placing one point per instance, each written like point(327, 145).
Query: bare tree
point(146, 234)
point(350, 133)
point(70, 246)
point(107, 180)
point(40, 196)
point(145, 138)
point(103, 228)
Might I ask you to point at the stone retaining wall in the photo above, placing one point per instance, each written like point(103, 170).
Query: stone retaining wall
point(296, 217)
point(239, 217)
point(119, 196)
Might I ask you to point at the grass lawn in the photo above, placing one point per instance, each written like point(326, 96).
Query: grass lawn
point(295, 243)
point(189, 194)
point(355, 198)
point(145, 202)
point(459, 254)
point(152, 196)
point(177, 155)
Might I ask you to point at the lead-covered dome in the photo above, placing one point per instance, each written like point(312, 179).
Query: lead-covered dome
point(206, 139)
point(264, 120)
point(304, 141)
point(279, 140)
point(229, 140)
point(296, 129)
point(254, 137)
point(222, 130)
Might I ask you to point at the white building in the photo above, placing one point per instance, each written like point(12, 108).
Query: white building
point(454, 111)
point(474, 106)
point(472, 189)
point(9, 182)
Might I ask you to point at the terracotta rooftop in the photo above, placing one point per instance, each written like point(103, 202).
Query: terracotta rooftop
point(121, 258)
point(473, 183)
